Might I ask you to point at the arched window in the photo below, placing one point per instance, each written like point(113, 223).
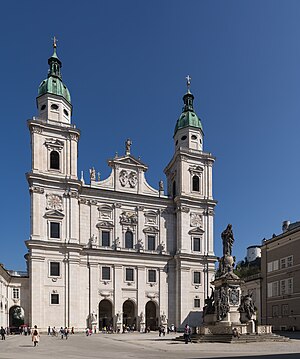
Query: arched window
point(196, 184)
point(174, 189)
point(128, 239)
point(54, 160)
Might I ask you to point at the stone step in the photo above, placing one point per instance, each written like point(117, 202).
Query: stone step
point(229, 338)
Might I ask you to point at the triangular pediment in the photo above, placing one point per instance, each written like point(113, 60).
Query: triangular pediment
point(150, 229)
point(104, 224)
point(54, 214)
point(127, 160)
point(196, 230)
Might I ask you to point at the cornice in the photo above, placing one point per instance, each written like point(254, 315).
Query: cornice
point(205, 157)
point(135, 199)
point(45, 180)
point(70, 129)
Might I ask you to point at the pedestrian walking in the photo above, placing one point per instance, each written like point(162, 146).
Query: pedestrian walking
point(66, 332)
point(35, 336)
point(2, 332)
point(49, 330)
point(62, 332)
point(187, 334)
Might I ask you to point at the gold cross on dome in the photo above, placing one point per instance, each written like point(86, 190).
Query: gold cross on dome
point(188, 82)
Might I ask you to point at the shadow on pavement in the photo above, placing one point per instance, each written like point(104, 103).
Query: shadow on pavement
point(268, 356)
point(288, 334)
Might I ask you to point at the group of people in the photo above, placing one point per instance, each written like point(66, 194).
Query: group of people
point(23, 330)
point(64, 332)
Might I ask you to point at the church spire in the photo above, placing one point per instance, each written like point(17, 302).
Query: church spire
point(54, 62)
point(188, 98)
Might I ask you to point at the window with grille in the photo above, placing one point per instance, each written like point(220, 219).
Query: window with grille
point(129, 275)
point(54, 230)
point(105, 238)
point(16, 293)
point(196, 303)
point(54, 298)
point(54, 269)
point(196, 244)
point(197, 277)
point(289, 261)
point(151, 242)
point(128, 239)
point(105, 273)
point(151, 275)
point(54, 160)
point(196, 184)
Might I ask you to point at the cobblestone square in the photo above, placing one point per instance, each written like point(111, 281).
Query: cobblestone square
point(135, 345)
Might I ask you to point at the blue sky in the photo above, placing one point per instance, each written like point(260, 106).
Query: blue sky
point(125, 63)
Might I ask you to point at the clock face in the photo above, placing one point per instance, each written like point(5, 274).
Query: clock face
point(234, 297)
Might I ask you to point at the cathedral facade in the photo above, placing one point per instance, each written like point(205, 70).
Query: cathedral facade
point(116, 251)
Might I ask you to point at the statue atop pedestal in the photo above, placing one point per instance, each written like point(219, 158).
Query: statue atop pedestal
point(222, 306)
point(227, 261)
point(227, 309)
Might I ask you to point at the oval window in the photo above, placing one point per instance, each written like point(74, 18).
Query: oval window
point(54, 107)
point(43, 107)
point(194, 137)
point(66, 112)
point(183, 138)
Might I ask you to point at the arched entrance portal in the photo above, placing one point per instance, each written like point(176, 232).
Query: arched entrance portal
point(16, 316)
point(105, 314)
point(129, 318)
point(151, 319)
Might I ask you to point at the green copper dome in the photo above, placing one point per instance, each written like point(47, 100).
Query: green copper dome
point(53, 83)
point(188, 118)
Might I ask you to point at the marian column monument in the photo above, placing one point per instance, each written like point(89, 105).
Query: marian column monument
point(227, 309)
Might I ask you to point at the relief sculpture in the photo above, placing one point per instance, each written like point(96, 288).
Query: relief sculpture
point(196, 220)
point(54, 202)
point(128, 218)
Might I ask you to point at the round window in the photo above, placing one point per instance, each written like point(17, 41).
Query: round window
point(54, 107)
point(66, 112)
point(43, 107)
point(183, 138)
point(194, 137)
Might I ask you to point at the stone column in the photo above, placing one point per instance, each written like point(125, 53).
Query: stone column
point(141, 304)
point(94, 280)
point(35, 217)
point(118, 299)
point(74, 217)
point(118, 228)
point(74, 290)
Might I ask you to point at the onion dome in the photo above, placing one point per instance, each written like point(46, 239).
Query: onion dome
point(188, 117)
point(53, 83)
